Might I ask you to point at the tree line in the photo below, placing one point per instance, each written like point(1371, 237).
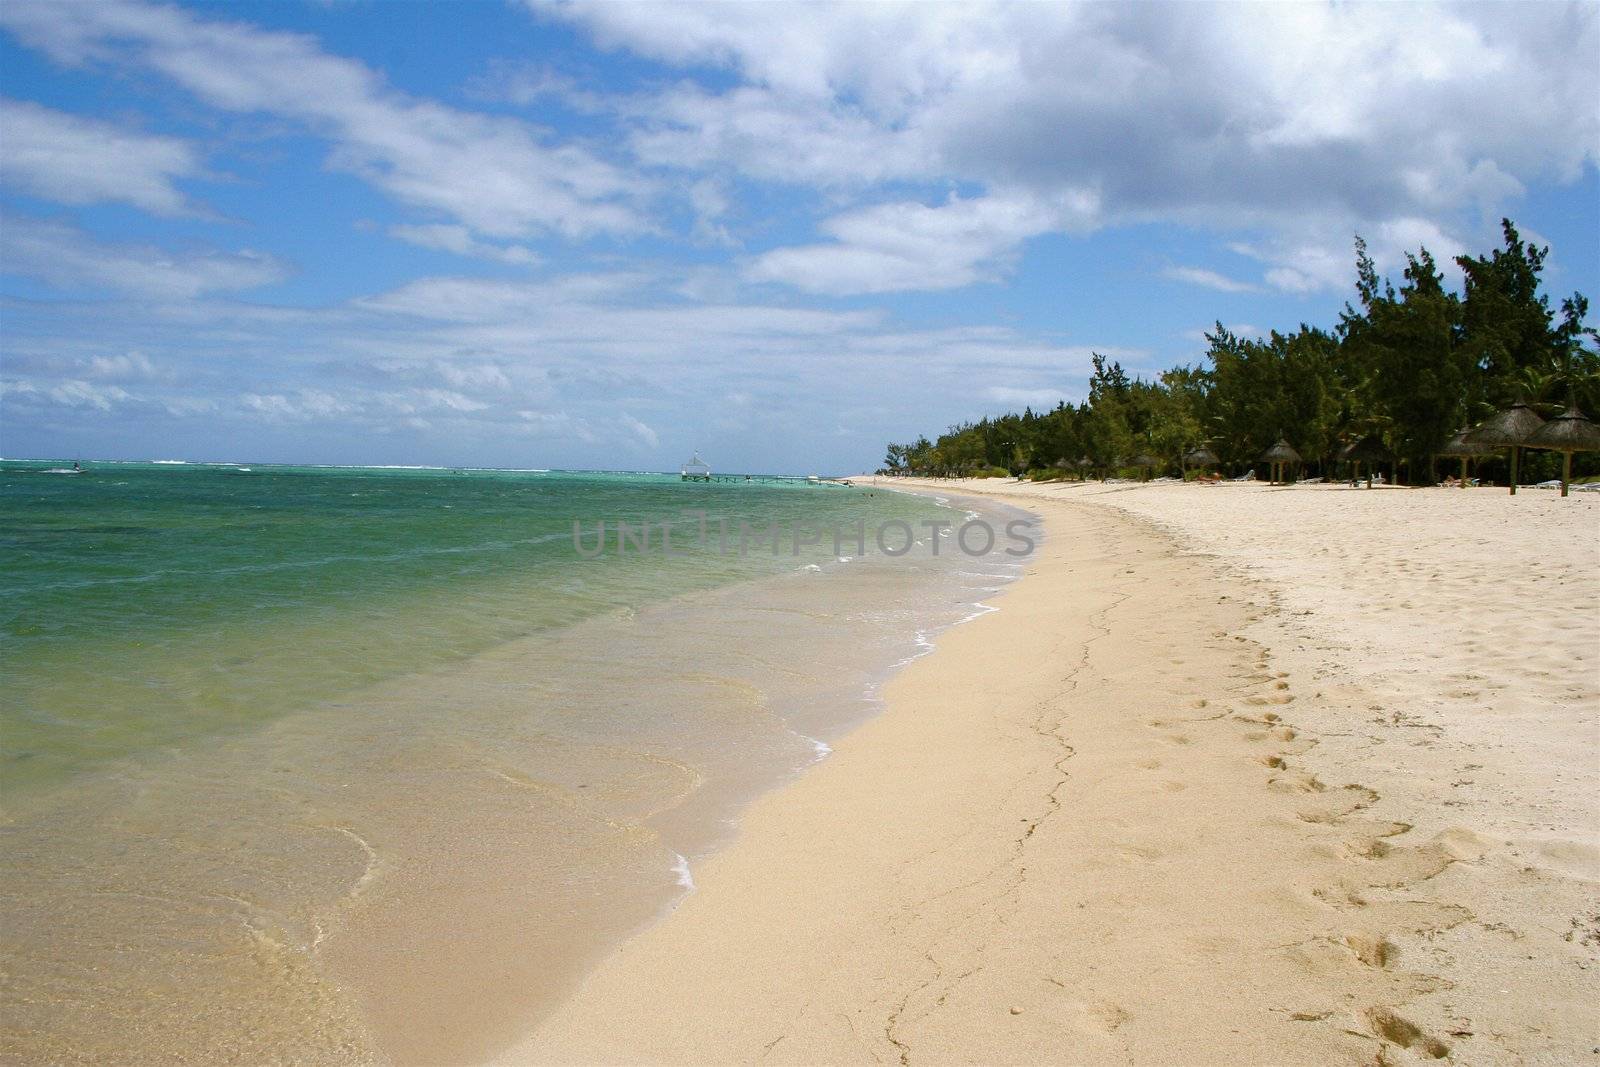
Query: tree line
point(1410, 364)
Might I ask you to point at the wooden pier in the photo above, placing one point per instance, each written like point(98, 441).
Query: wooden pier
point(698, 470)
point(767, 479)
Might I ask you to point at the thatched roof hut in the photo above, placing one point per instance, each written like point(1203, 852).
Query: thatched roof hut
point(1200, 457)
point(1463, 447)
point(1278, 457)
point(1511, 429)
point(1368, 450)
point(1569, 432)
point(1281, 452)
point(1145, 462)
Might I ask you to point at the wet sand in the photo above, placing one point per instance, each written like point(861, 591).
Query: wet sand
point(1236, 774)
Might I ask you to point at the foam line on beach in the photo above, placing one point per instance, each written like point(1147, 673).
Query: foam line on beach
point(681, 872)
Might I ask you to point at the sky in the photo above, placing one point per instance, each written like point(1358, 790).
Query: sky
point(605, 235)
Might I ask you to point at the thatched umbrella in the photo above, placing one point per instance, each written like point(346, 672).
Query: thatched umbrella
point(1368, 450)
point(1084, 465)
point(1278, 457)
point(1200, 457)
point(1511, 429)
point(1144, 461)
point(1569, 432)
point(1462, 447)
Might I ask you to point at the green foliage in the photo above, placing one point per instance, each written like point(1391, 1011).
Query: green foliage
point(1417, 372)
point(1410, 364)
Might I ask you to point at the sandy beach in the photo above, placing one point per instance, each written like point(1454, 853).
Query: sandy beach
point(1235, 774)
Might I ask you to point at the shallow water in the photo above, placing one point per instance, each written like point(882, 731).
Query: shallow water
point(357, 765)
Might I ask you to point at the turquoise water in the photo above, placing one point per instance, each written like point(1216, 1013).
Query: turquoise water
point(368, 765)
point(144, 605)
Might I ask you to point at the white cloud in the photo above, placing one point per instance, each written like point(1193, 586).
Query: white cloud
point(771, 136)
point(474, 376)
point(186, 406)
point(913, 246)
point(1209, 279)
point(129, 365)
point(459, 239)
point(710, 201)
point(67, 258)
point(417, 401)
point(305, 405)
point(84, 394)
point(1318, 256)
point(557, 424)
point(1277, 118)
point(641, 431)
point(74, 160)
point(493, 174)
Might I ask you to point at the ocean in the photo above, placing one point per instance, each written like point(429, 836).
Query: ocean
point(369, 764)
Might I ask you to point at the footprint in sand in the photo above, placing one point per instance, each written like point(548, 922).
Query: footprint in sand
point(1389, 1027)
point(1374, 950)
point(1296, 782)
point(1333, 805)
point(1401, 865)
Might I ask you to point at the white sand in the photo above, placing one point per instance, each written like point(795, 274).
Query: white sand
point(1236, 774)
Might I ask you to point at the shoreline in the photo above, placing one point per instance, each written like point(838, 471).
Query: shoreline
point(1154, 802)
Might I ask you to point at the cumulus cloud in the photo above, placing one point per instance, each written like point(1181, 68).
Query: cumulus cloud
point(86, 394)
point(1317, 255)
point(913, 246)
point(1353, 116)
point(74, 160)
point(66, 257)
point(491, 173)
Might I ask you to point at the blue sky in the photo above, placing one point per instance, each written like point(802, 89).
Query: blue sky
point(605, 235)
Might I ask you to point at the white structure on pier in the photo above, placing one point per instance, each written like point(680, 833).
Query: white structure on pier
point(696, 470)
